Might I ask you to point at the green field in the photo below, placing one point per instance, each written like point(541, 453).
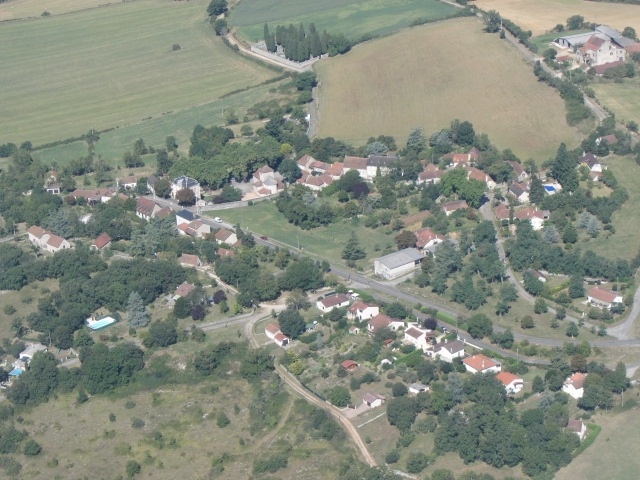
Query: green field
point(353, 18)
point(389, 86)
point(14, 9)
point(111, 67)
point(543, 41)
point(622, 98)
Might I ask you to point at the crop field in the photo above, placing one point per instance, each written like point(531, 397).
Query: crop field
point(622, 98)
point(108, 67)
point(353, 18)
point(542, 15)
point(392, 85)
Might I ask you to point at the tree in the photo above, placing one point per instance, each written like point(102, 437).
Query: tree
point(306, 81)
point(550, 234)
point(339, 396)
point(220, 26)
point(480, 326)
point(572, 330)
point(406, 239)
point(399, 389)
point(162, 188)
point(417, 462)
point(289, 169)
point(527, 322)
point(537, 385)
point(133, 468)
point(575, 22)
point(536, 190)
point(576, 286)
point(569, 234)
point(198, 312)
point(494, 22)
point(298, 300)
point(31, 448)
point(291, 323)
point(352, 249)
point(185, 197)
point(137, 314)
point(182, 308)
point(417, 140)
point(629, 32)
point(164, 162)
point(217, 7)
point(161, 334)
point(540, 306)
point(402, 412)
point(563, 169)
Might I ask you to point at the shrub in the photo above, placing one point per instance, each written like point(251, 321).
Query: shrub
point(271, 464)
point(222, 420)
point(31, 448)
point(417, 462)
point(392, 457)
point(137, 423)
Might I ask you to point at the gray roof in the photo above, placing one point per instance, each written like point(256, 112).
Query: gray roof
point(577, 39)
point(380, 161)
point(186, 214)
point(185, 182)
point(615, 35)
point(403, 257)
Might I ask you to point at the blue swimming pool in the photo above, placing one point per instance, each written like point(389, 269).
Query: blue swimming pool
point(102, 323)
point(15, 372)
point(550, 188)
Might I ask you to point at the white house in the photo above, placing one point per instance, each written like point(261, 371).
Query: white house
point(418, 338)
point(578, 427)
point(379, 163)
point(447, 351)
point(519, 191)
point(453, 206)
point(417, 387)
point(536, 217)
point(226, 236)
point(103, 241)
point(27, 354)
point(196, 229)
point(398, 263)
point(381, 321)
point(574, 385)
point(46, 240)
point(481, 364)
point(430, 175)
point(183, 182)
point(146, 209)
point(373, 400)
point(603, 298)
point(512, 383)
point(362, 311)
point(272, 331)
point(427, 238)
point(334, 301)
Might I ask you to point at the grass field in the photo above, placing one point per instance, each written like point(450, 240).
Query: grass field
point(622, 98)
point(14, 9)
point(543, 41)
point(113, 66)
point(389, 87)
point(543, 15)
point(353, 18)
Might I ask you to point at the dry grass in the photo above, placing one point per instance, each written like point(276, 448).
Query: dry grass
point(14, 9)
point(543, 15)
point(389, 86)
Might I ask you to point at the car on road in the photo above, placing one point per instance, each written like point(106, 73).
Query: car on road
point(217, 220)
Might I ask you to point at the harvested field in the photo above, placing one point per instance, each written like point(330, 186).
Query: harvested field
point(113, 66)
point(389, 87)
point(542, 15)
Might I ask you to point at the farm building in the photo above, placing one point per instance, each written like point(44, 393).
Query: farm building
point(603, 298)
point(373, 400)
point(397, 264)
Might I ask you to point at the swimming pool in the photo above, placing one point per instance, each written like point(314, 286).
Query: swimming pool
point(550, 188)
point(100, 324)
point(15, 372)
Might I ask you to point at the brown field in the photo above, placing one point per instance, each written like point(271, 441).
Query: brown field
point(389, 87)
point(542, 15)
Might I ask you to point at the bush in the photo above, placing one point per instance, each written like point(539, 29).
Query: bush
point(271, 464)
point(222, 420)
point(32, 448)
point(137, 423)
point(417, 462)
point(392, 457)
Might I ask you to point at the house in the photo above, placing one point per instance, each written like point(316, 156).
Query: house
point(449, 207)
point(590, 161)
point(418, 338)
point(164, 212)
point(128, 183)
point(379, 164)
point(356, 163)
point(184, 216)
point(519, 170)
point(603, 298)
point(103, 241)
point(610, 139)
point(512, 383)
point(187, 260)
point(99, 195)
point(447, 351)
point(430, 175)
point(315, 182)
point(481, 364)
point(362, 311)
point(474, 173)
point(578, 427)
point(381, 321)
point(602, 31)
point(146, 209)
point(225, 252)
point(305, 163)
point(535, 217)
point(271, 330)
point(502, 212)
point(51, 183)
point(574, 385)
point(537, 275)
point(397, 264)
point(599, 50)
point(427, 238)
point(28, 353)
point(183, 182)
point(373, 400)
point(349, 365)
point(151, 183)
point(417, 387)
point(46, 240)
point(281, 339)
point(519, 191)
point(226, 236)
point(334, 301)
point(196, 229)
point(184, 290)
point(267, 182)
point(353, 330)
point(335, 170)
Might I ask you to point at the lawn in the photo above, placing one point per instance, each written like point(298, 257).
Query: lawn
point(25, 301)
point(622, 98)
point(111, 67)
point(389, 87)
point(326, 242)
point(543, 42)
point(353, 18)
point(543, 15)
point(626, 239)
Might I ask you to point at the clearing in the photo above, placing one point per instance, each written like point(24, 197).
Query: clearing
point(542, 15)
point(113, 66)
point(389, 87)
point(353, 18)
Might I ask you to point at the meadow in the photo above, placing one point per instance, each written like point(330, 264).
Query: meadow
point(353, 18)
point(390, 86)
point(621, 98)
point(113, 66)
point(15, 9)
point(542, 15)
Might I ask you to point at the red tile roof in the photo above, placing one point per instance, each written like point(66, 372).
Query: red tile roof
point(55, 241)
point(577, 380)
point(184, 289)
point(272, 328)
point(507, 378)
point(349, 364)
point(602, 295)
point(480, 362)
point(381, 321)
point(334, 300)
point(355, 163)
point(102, 240)
point(36, 231)
point(454, 205)
point(414, 332)
point(425, 235)
point(145, 207)
point(187, 259)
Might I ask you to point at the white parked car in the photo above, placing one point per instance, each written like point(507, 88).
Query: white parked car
point(217, 220)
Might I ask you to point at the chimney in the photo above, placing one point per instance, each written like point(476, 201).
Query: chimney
point(482, 364)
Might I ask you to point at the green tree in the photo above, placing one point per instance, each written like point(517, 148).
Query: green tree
point(217, 7)
point(536, 190)
point(164, 162)
point(569, 234)
point(493, 22)
point(133, 468)
point(137, 314)
point(289, 169)
point(629, 32)
point(406, 239)
point(576, 286)
point(185, 197)
point(540, 306)
point(417, 140)
point(161, 334)
point(575, 22)
point(31, 448)
point(572, 330)
point(417, 462)
point(291, 323)
point(480, 326)
point(339, 396)
point(162, 188)
point(352, 249)
point(563, 169)
point(399, 389)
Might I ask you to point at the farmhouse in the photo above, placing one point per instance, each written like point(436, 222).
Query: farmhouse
point(362, 311)
point(334, 301)
point(356, 163)
point(46, 240)
point(381, 321)
point(447, 351)
point(335, 170)
point(512, 383)
point(397, 264)
point(103, 241)
point(183, 182)
point(226, 236)
point(379, 164)
point(267, 182)
point(373, 400)
point(481, 364)
point(603, 298)
point(578, 427)
point(574, 385)
point(603, 47)
point(449, 207)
